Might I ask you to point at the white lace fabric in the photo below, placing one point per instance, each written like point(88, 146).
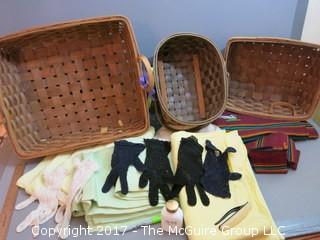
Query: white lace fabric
point(53, 201)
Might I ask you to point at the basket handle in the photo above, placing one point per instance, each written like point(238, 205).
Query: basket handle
point(284, 104)
point(149, 70)
point(2, 118)
point(3, 132)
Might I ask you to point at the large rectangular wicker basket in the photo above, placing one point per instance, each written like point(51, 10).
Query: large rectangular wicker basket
point(71, 85)
point(275, 78)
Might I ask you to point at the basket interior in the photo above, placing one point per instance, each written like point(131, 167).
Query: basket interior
point(72, 86)
point(266, 73)
point(179, 91)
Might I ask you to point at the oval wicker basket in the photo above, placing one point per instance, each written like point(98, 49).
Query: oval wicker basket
point(191, 81)
point(273, 77)
point(72, 85)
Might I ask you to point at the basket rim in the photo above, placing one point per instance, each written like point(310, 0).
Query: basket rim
point(62, 25)
point(161, 101)
point(280, 40)
point(268, 40)
point(74, 146)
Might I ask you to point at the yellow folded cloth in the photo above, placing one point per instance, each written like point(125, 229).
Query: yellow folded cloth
point(200, 220)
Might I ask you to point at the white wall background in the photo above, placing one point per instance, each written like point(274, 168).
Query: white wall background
point(311, 28)
point(153, 20)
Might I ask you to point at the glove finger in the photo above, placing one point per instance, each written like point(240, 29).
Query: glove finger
point(230, 149)
point(178, 178)
point(124, 183)
point(143, 181)
point(25, 203)
point(169, 179)
point(153, 193)
point(210, 146)
point(110, 181)
point(175, 190)
point(235, 176)
point(192, 199)
point(203, 196)
point(138, 165)
point(165, 191)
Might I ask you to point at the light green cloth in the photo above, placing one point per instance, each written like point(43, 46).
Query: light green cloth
point(129, 223)
point(114, 209)
point(111, 209)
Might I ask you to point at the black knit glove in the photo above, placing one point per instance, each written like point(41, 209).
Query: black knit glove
point(217, 173)
point(190, 170)
point(125, 154)
point(158, 170)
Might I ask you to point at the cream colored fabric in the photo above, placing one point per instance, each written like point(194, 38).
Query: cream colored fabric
point(164, 133)
point(202, 218)
point(33, 179)
point(47, 196)
point(82, 173)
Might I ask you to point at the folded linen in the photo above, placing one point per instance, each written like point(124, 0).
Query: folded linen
point(273, 153)
point(200, 218)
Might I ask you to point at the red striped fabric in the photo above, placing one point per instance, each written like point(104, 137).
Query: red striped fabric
point(270, 143)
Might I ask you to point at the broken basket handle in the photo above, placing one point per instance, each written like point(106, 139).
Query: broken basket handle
point(149, 70)
point(284, 104)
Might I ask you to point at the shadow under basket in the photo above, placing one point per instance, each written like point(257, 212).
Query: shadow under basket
point(190, 80)
point(71, 85)
point(274, 78)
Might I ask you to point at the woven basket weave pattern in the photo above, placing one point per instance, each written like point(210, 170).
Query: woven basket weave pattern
point(72, 86)
point(180, 96)
point(263, 73)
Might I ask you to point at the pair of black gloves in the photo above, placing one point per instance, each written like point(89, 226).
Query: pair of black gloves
point(156, 169)
point(213, 176)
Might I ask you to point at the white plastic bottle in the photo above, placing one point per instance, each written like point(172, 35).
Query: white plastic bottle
point(171, 217)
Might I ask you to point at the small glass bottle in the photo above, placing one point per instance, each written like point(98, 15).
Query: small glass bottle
point(171, 217)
